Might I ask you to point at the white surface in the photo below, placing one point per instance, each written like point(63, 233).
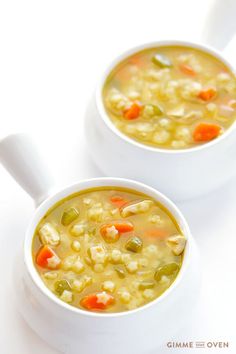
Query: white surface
point(51, 56)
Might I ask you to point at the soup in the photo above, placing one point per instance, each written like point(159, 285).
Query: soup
point(172, 97)
point(108, 249)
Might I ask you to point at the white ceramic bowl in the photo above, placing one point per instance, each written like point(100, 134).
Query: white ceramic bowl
point(180, 174)
point(73, 330)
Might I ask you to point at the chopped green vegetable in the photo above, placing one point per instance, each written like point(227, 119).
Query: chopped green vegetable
point(61, 285)
point(152, 110)
point(167, 270)
point(161, 60)
point(146, 285)
point(134, 244)
point(120, 272)
point(69, 216)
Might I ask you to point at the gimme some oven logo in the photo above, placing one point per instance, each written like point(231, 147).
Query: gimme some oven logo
point(198, 344)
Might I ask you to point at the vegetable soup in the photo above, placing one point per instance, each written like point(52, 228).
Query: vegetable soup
point(108, 249)
point(172, 97)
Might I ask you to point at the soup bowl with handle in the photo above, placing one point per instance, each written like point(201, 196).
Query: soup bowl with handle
point(181, 173)
point(73, 330)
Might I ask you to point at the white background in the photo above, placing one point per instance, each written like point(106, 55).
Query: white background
point(51, 56)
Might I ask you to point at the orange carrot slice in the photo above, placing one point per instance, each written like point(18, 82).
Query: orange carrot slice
point(138, 61)
point(98, 301)
point(207, 94)
point(121, 227)
point(133, 111)
point(118, 201)
point(187, 70)
point(44, 255)
point(206, 132)
point(157, 233)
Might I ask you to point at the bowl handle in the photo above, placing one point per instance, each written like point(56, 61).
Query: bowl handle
point(21, 158)
point(220, 25)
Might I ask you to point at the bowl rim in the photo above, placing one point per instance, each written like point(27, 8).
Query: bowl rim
point(105, 182)
point(148, 45)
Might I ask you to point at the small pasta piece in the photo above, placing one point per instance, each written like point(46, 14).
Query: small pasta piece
point(74, 263)
point(177, 112)
point(53, 262)
point(124, 296)
point(132, 266)
point(47, 258)
point(165, 123)
point(87, 280)
point(165, 280)
point(68, 262)
point(133, 95)
point(109, 273)
point(161, 137)
point(150, 250)
point(176, 243)
point(115, 256)
point(114, 211)
point(78, 266)
point(130, 129)
point(49, 235)
point(183, 133)
point(144, 128)
point(148, 294)
point(98, 268)
point(136, 208)
point(67, 296)
point(95, 213)
point(87, 201)
point(98, 254)
point(51, 275)
point(76, 246)
point(192, 89)
point(117, 100)
point(125, 257)
point(211, 107)
point(223, 77)
point(110, 233)
point(109, 286)
point(78, 229)
point(80, 284)
point(143, 262)
point(155, 219)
